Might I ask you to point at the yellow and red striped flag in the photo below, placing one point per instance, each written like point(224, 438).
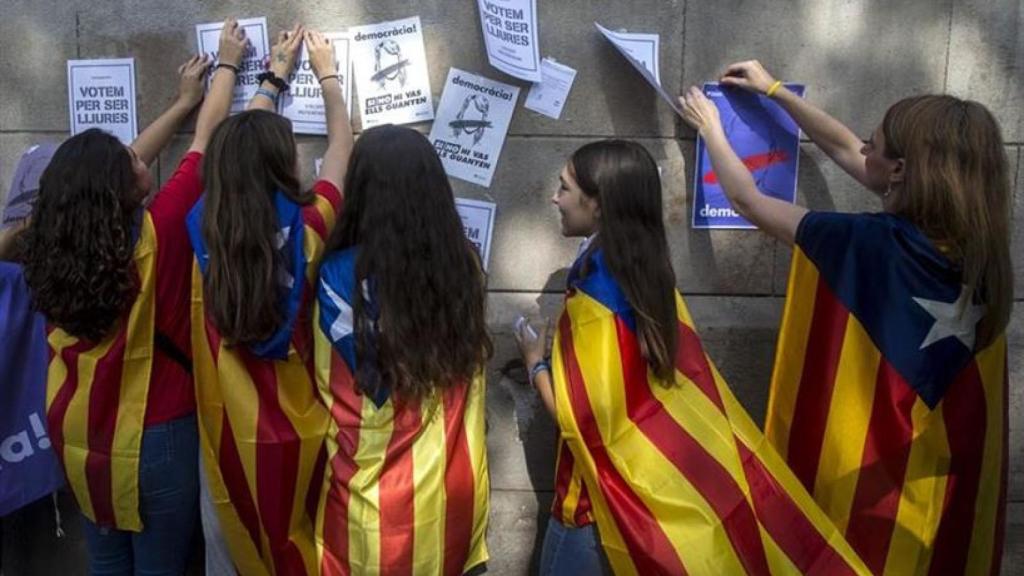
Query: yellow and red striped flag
point(96, 401)
point(881, 404)
point(406, 489)
point(679, 478)
point(261, 423)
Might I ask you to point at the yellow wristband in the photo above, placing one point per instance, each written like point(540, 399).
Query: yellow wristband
point(773, 88)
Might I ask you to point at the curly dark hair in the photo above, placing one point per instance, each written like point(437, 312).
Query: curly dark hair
point(426, 276)
point(78, 247)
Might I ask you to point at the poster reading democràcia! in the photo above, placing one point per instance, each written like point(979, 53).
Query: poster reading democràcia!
point(510, 34)
point(471, 123)
point(208, 39)
point(478, 224)
point(766, 139)
point(391, 73)
point(101, 94)
point(303, 104)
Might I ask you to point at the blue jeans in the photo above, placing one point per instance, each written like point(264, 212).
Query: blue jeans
point(569, 550)
point(168, 504)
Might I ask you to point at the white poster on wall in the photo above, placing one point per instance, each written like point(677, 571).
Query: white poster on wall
point(549, 95)
point(478, 224)
point(641, 50)
point(510, 34)
point(101, 94)
point(208, 40)
point(391, 73)
point(303, 104)
point(471, 123)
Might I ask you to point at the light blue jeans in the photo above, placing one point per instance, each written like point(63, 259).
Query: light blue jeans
point(168, 504)
point(569, 551)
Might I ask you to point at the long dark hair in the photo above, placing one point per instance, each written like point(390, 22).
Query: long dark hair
point(425, 275)
point(624, 179)
point(957, 191)
point(251, 156)
point(78, 247)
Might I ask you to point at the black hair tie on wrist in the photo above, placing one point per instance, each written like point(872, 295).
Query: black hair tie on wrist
point(231, 67)
point(328, 77)
point(269, 76)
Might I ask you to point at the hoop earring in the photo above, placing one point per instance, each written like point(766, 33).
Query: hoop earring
point(888, 190)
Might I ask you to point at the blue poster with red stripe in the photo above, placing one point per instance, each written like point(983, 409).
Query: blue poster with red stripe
point(765, 138)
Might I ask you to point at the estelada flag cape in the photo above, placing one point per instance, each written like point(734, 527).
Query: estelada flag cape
point(881, 403)
point(96, 397)
point(680, 480)
point(406, 489)
point(261, 424)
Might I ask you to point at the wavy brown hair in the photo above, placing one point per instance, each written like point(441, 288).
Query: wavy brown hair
point(624, 179)
point(78, 246)
point(251, 156)
point(425, 275)
point(956, 190)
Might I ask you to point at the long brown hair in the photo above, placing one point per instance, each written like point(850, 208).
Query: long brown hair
point(251, 156)
point(79, 245)
point(956, 190)
point(424, 274)
point(624, 179)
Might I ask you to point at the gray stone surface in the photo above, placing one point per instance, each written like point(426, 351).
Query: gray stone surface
point(36, 40)
point(1015, 363)
point(856, 56)
point(986, 59)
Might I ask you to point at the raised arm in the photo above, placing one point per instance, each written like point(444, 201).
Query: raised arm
point(831, 135)
point(218, 101)
point(774, 216)
point(339, 126)
point(147, 146)
point(282, 62)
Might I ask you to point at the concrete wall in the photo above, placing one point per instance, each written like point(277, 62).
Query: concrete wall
point(856, 56)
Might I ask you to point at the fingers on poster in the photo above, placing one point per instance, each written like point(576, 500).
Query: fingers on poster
point(510, 34)
point(766, 139)
point(101, 94)
point(208, 39)
point(391, 73)
point(478, 224)
point(641, 50)
point(472, 120)
point(303, 104)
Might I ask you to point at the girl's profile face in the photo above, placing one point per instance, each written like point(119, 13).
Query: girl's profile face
point(579, 212)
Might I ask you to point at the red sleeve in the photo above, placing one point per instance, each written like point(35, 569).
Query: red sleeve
point(174, 252)
point(325, 209)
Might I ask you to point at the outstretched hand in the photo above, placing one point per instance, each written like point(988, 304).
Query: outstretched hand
point(321, 54)
point(190, 83)
point(749, 75)
point(233, 43)
point(699, 112)
point(285, 50)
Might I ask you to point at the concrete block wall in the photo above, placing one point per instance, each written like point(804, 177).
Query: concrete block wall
point(856, 56)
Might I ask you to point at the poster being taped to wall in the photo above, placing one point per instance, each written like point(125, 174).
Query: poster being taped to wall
point(766, 139)
point(208, 39)
point(472, 120)
point(392, 78)
point(303, 104)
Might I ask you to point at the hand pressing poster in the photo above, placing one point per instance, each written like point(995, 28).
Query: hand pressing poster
point(391, 73)
point(766, 139)
point(641, 50)
point(303, 104)
point(478, 224)
point(101, 94)
point(208, 39)
point(510, 34)
point(471, 123)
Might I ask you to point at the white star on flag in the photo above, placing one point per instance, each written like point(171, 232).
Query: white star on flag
point(342, 325)
point(952, 319)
